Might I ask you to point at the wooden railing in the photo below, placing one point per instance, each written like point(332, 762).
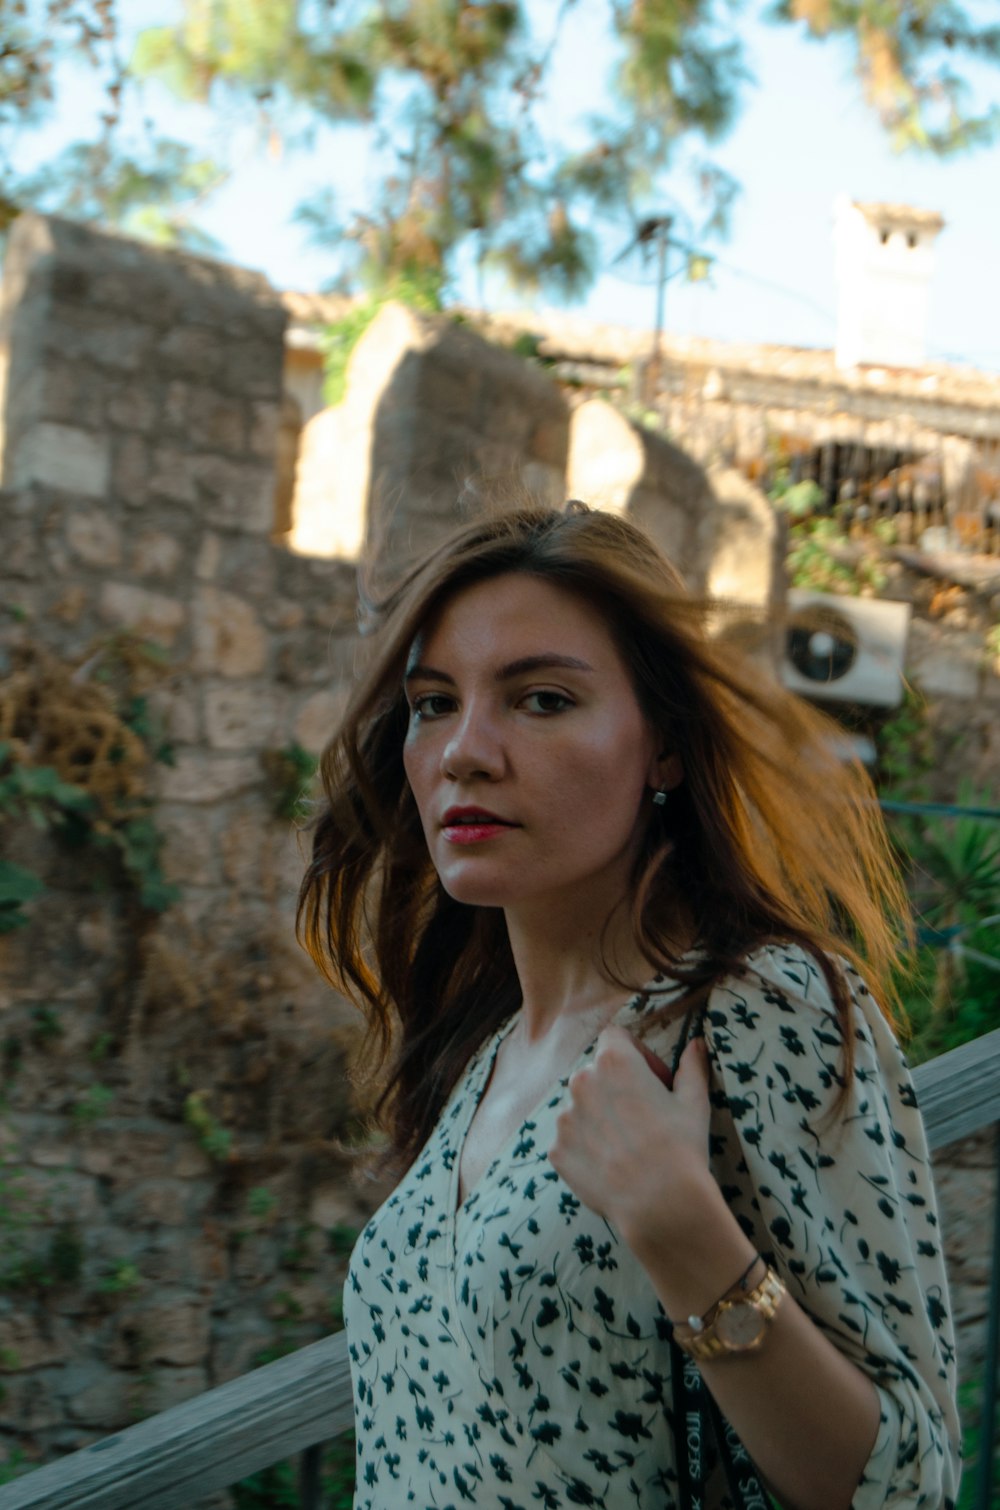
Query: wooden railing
point(180, 1457)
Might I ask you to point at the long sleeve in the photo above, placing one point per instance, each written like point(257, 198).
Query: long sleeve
point(841, 1201)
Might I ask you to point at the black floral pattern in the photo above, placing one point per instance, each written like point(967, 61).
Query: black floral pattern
point(510, 1352)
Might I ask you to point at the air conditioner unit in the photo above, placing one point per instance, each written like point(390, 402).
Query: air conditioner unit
point(845, 650)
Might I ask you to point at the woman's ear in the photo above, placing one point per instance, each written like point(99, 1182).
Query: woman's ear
point(666, 772)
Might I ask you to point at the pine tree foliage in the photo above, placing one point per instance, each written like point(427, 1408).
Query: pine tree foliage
point(449, 97)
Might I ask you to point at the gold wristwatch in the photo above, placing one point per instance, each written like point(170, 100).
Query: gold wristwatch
point(736, 1324)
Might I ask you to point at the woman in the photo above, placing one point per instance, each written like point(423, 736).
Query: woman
point(569, 848)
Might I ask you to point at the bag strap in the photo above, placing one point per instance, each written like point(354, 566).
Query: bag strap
point(702, 1434)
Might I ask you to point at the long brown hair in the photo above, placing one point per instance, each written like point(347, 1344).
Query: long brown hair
point(770, 837)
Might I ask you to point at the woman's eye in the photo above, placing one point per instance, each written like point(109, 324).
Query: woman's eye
point(430, 705)
point(547, 702)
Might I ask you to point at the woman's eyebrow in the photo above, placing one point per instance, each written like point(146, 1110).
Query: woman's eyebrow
point(547, 660)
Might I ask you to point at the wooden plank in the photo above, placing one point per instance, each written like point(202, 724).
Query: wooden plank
point(178, 1458)
point(181, 1456)
point(959, 1093)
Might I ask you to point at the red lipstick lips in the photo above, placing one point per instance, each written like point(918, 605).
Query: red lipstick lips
point(472, 825)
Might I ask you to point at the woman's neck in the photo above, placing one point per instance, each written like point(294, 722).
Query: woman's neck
point(573, 971)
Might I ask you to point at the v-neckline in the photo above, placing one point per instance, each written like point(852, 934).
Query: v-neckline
point(456, 1206)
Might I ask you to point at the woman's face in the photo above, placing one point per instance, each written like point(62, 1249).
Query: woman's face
point(527, 753)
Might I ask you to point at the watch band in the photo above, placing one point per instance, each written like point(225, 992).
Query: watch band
point(723, 1330)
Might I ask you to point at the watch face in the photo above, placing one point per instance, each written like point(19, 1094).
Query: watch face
point(740, 1325)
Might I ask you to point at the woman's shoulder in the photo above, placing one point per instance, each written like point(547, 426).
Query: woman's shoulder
point(783, 992)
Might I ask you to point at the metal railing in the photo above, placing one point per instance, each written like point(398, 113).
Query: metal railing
point(178, 1458)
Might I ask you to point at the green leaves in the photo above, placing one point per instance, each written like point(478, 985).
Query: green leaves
point(17, 886)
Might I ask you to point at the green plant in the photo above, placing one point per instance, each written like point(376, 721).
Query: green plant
point(14, 1466)
point(276, 1488)
point(61, 1263)
point(121, 1279)
point(341, 1238)
point(46, 1025)
point(290, 771)
point(905, 749)
point(98, 736)
point(101, 1047)
point(92, 1105)
point(213, 1138)
point(969, 1397)
point(261, 1203)
point(954, 878)
point(813, 560)
point(66, 1253)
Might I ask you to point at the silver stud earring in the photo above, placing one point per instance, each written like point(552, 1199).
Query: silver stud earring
point(660, 797)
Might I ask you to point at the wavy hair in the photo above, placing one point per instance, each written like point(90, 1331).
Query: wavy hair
point(769, 837)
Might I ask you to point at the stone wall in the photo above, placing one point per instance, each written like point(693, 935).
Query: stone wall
point(176, 1199)
point(174, 1086)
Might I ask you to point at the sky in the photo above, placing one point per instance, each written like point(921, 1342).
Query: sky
point(803, 137)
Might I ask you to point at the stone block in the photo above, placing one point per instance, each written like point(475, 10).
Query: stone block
point(171, 1386)
point(238, 1348)
point(284, 614)
point(124, 1155)
point(245, 717)
point(207, 560)
point(197, 777)
point(156, 554)
point(148, 614)
point(190, 1162)
point(60, 1196)
point(332, 1205)
point(318, 717)
point(28, 1342)
point(173, 475)
point(131, 471)
point(69, 607)
point(194, 351)
point(61, 456)
point(133, 408)
point(549, 442)
point(29, 1403)
point(96, 1395)
point(205, 419)
point(216, 423)
point(71, 394)
point(235, 494)
point(190, 854)
point(228, 636)
point(255, 1261)
point(96, 931)
point(91, 336)
point(152, 1203)
point(265, 423)
point(178, 1259)
point(94, 538)
point(741, 543)
point(175, 1332)
point(254, 368)
point(176, 711)
point(244, 846)
point(50, 1153)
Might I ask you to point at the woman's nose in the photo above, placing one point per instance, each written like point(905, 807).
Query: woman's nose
point(474, 748)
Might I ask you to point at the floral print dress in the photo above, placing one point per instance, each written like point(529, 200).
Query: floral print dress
point(509, 1352)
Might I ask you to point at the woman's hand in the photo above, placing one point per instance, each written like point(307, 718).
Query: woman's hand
point(633, 1150)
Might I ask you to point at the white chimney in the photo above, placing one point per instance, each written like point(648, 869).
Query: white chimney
point(884, 257)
